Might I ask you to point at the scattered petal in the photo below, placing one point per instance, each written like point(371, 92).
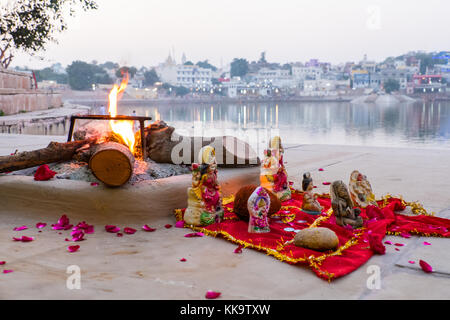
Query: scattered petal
point(73, 248)
point(41, 225)
point(83, 226)
point(326, 183)
point(2, 263)
point(412, 262)
point(24, 239)
point(238, 249)
point(168, 226)
point(20, 228)
point(182, 259)
point(212, 295)
point(315, 187)
point(179, 224)
point(375, 244)
point(8, 271)
point(320, 169)
point(427, 243)
point(397, 249)
point(43, 173)
point(129, 230)
point(112, 229)
point(425, 266)
point(119, 234)
point(194, 234)
point(399, 244)
point(66, 239)
point(405, 235)
point(388, 242)
point(77, 235)
point(145, 227)
point(94, 184)
point(62, 224)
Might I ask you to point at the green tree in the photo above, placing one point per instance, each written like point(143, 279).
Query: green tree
point(239, 67)
point(29, 25)
point(49, 74)
point(150, 77)
point(188, 63)
point(122, 70)
point(205, 64)
point(82, 75)
point(181, 91)
point(391, 85)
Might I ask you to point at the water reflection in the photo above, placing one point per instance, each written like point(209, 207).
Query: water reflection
point(418, 125)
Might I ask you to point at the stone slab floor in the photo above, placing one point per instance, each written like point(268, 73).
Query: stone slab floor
point(147, 265)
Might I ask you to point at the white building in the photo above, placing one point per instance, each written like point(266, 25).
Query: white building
point(276, 77)
point(301, 73)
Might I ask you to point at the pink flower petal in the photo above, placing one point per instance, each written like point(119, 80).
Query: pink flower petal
point(77, 235)
point(41, 225)
point(147, 228)
point(320, 169)
point(412, 262)
point(73, 248)
point(238, 249)
point(194, 234)
point(24, 239)
point(62, 224)
point(397, 249)
point(399, 244)
point(112, 229)
point(168, 226)
point(326, 183)
point(405, 235)
point(182, 259)
point(94, 184)
point(212, 294)
point(8, 271)
point(2, 263)
point(388, 242)
point(425, 266)
point(120, 234)
point(427, 243)
point(83, 226)
point(20, 228)
point(179, 224)
point(66, 239)
point(129, 230)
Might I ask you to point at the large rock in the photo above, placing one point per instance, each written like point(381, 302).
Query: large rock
point(319, 239)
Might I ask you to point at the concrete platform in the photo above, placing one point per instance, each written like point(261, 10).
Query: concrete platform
point(146, 265)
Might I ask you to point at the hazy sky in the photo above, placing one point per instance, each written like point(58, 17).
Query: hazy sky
point(143, 32)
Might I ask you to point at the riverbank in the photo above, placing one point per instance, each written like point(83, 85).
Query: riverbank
point(147, 265)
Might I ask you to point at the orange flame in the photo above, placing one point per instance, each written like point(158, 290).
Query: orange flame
point(123, 128)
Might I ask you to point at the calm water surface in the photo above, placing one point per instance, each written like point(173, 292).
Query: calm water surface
point(399, 125)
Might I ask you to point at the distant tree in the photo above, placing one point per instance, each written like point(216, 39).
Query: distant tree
point(239, 67)
point(29, 25)
point(49, 74)
point(150, 77)
point(82, 75)
point(205, 64)
point(391, 85)
point(181, 91)
point(188, 63)
point(109, 65)
point(262, 59)
point(122, 70)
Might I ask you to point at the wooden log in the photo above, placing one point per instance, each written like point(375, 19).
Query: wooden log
point(112, 163)
point(54, 152)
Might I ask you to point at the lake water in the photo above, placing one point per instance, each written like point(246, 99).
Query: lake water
point(399, 125)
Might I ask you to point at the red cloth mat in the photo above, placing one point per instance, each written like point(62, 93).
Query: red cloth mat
point(353, 250)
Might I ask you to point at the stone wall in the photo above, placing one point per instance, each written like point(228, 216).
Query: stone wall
point(17, 94)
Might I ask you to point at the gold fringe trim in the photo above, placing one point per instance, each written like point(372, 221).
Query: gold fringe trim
point(416, 207)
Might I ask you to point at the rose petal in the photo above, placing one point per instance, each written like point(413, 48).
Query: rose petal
point(8, 271)
point(20, 228)
point(83, 226)
point(320, 169)
point(182, 259)
point(2, 263)
point(412, 262)
point(41, 225)
point(326, 183)
point(427, 243)
point(147, 228)
point(43, 173)
point(168, 226)
point(77, 235)
point(425, 266)
point(238, 249)
point(212, 294)
point(73, 248)
point(112, 229)
point(120, 234)
point(399, 244)
point(94, 184)
point(194, 234)
point(179, 224)
point(388, 242)
point(129, 230)
point(405, 235)
point(24, 239)
point(397, 249)
point(62, 224)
